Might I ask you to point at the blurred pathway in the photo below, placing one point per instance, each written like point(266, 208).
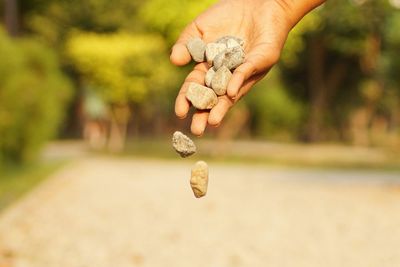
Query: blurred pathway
point(106, 212)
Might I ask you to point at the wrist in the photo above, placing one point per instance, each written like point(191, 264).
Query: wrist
point(295, 10)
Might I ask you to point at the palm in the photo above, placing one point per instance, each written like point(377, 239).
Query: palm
point(264, 34)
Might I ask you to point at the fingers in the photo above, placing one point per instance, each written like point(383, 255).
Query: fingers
point(259, 59)
point(182, 105)
point(180, 55)
point(247, 86)
point(225, 103)
point(219, 111)
point(199, 122)
point(240, 75)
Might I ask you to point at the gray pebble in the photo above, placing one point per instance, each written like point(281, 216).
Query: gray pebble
point(232, 43)
point(183, 144)
point(220, 81)
point(197, 49)
point(227, 40)
point(209, 76)
point(201, 97)
point(212, 50)
point(230, 58)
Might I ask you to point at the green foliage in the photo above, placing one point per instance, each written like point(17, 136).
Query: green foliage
point(119, 48)
point(170, 17)
point(52, 20)
point(33, 93)
point(275, 114)
point(122, 67)
point(296, 43)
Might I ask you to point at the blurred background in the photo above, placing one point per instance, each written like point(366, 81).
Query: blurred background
point(86, 108)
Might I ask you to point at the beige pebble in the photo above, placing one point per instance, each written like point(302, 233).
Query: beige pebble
point(212, 50)
point(209, 76)
point(199, 179)
point(220, 80)
point(201, 97)
point(232, 43)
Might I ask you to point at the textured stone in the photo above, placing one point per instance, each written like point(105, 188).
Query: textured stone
point(183, 144)
point(197, 49)
point(220, 80)
point(212, 50)
point(230, 58)
point(209, 76)
point(201, 96)
point(199, 179)
point(230, 41)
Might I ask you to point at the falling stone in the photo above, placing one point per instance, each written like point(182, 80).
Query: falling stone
point(212, 50)
point(183, 144)
point(209, 76)
point(199, 179)
point(196, 48)
point(230, 58)
point(201, 97)
point(220, 81)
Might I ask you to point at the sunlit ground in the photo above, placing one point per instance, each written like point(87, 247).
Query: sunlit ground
point(129, 211)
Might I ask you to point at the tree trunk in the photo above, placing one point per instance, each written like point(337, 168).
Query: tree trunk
point(318, 90)
point(11, 17)
point(120, 115)
point(323, 83)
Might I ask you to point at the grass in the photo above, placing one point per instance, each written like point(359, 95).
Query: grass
point(15, 181)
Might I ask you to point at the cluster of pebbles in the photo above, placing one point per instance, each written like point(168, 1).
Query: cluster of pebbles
point(223, 56)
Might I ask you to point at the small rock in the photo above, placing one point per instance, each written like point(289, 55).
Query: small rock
point(230, 58)
point(209, 76)
point(199, 179)
point(227, 40)
point(220, 81)
point(212, 50)
point(183, 144)
point(232, 43)
point(196, 48)
point(201, 96)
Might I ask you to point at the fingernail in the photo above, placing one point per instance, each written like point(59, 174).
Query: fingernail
point(199, 135)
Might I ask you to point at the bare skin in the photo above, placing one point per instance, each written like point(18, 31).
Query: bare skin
point(263, 24)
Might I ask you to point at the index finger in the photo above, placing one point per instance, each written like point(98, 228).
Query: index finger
point(180, 55)
point(182, 105)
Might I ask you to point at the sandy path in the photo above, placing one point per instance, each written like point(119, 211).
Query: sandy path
point(105, 212)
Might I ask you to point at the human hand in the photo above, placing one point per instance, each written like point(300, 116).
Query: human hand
point(262, 24)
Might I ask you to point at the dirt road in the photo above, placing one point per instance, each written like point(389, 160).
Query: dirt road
point(107, 212)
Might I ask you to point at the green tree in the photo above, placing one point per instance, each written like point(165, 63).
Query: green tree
point(33, 94)
point(123, 68)
point(342, 46)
